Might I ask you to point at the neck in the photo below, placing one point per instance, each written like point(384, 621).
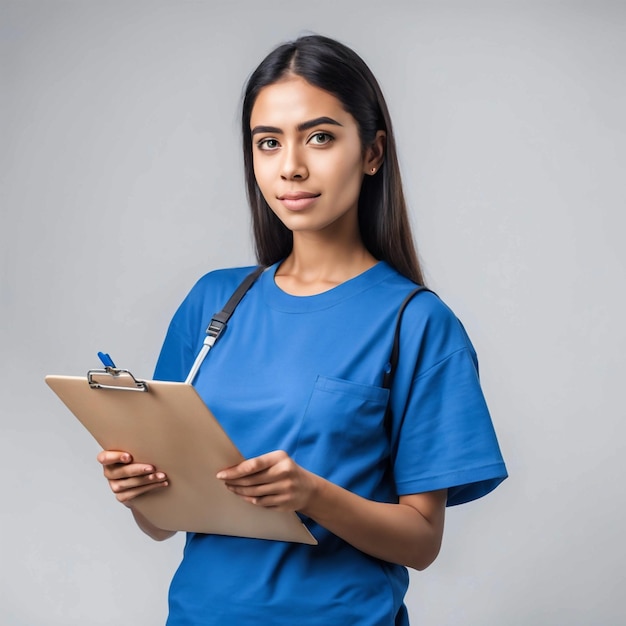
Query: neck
point(317, 264)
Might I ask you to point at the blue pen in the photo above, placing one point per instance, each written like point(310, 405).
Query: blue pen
point(107, 361)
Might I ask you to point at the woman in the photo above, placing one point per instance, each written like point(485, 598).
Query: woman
point(296, 379)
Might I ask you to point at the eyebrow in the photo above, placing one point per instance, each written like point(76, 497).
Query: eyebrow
point(301, 127)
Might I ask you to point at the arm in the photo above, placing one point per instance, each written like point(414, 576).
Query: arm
point(408, 533)
point(129, 480)
point(156, 533)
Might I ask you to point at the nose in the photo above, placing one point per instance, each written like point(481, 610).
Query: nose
point(293, 166)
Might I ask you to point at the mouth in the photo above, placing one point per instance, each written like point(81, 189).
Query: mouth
point(298, 200)
point(298, 195)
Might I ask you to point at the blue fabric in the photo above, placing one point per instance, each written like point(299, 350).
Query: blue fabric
point(303, 374)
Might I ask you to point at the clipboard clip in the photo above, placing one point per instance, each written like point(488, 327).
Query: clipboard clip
point(117, 376)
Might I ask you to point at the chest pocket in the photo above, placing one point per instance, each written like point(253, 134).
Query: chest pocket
point(342, 434)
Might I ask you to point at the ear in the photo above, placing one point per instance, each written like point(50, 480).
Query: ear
point(375, 153)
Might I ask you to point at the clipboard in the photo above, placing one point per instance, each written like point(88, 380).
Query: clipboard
point(168, 425)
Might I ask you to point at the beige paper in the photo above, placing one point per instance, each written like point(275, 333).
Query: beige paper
point(170, 427)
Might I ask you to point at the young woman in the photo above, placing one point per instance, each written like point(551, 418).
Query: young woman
point(296, 380)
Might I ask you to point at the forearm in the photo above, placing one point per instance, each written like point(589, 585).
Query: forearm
point(156, 533)
point(398, 533)
point(408, 533)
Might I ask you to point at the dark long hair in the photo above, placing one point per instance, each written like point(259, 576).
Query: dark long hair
point(383, 217)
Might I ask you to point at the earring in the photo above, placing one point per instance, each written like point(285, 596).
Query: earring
point(373, 170)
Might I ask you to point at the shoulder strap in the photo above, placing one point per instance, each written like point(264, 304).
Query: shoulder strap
point(390, 372)
point(219, 320)
point(395, 350)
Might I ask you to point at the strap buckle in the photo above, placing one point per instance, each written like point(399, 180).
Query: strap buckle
point(215, 328)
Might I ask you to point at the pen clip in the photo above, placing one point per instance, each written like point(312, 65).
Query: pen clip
point(107, 361)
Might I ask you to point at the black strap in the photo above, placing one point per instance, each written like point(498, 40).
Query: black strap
point(394, 357)
point(219, 320)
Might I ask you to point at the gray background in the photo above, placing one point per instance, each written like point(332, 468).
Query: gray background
point(122, 184)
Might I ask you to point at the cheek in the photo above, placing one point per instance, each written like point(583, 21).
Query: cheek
point(344, 176)
point(265, 176)
point(261, 172)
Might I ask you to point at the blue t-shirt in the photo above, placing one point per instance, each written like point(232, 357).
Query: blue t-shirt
point(303, 374)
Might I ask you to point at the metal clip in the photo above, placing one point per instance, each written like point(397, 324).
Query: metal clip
point(114, 373)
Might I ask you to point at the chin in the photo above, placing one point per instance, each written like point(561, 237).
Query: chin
point(313, 222)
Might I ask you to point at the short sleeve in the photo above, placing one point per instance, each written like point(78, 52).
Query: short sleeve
point(446, 439)
point(180, 344)
point(176, 356)
point(187, 328)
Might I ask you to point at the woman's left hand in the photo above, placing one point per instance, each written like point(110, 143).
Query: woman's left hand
point(273, 480)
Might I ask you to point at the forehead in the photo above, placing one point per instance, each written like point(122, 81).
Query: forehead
point(294, 100)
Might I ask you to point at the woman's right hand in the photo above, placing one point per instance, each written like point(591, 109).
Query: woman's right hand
point(128, 479)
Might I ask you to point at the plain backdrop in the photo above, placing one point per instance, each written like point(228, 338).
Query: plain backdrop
point(121, 184)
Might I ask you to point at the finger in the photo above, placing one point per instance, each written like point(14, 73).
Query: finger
point(281, 470)
point(260, 490)
point(251, 480)
point(118, 471)
point(252, 466)
point(246, 468)
point(277, 501)
point(112, 457)
point(126, 497)
point(126, 484)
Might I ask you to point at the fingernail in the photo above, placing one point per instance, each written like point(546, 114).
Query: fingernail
point(125, 458)
point(147, 468)
point(220, 475)
point(160, 476)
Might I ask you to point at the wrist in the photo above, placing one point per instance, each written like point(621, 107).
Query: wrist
point(317, 494)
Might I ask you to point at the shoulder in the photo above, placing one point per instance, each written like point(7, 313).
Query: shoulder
point(224, 280)
point(429, 329)
point(426, 313)
point(433, 332)
point(214, 288)
point(209, 295)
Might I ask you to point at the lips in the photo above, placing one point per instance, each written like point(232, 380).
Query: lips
point(298, 195)
point(298, 200)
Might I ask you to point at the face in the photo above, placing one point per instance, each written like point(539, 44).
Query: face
point(307, 156)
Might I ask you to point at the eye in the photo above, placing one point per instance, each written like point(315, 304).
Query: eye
point(321, 139)
point(268, 144)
